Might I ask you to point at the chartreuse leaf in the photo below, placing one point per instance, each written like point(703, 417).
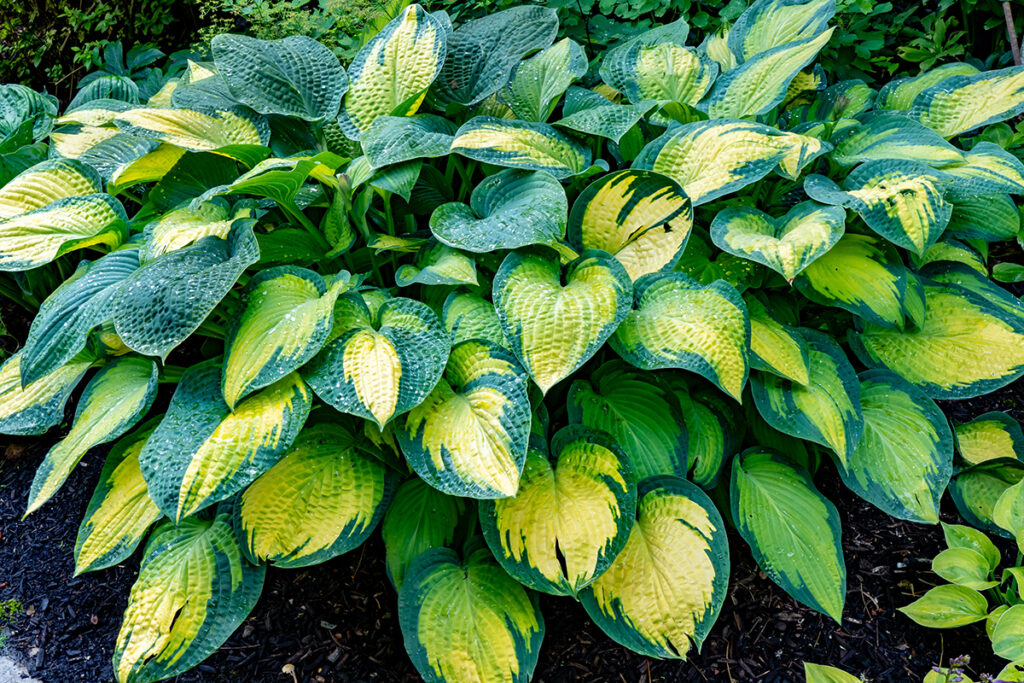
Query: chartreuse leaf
point(379, 363)
point(713, 432)
point(469, 436)
point(202, 452)
point(641, 415)
point(976, 490)
point(904, 458)
point(1008, 512)
point(295, 76)
point(826, 410)
point(419, 518)
point(990, 436)
point(162, 303)
point(467, 620)
point(900, 93)
point(179, 228)
point(767, 24)
point(36, 406)
point(32, 239)
point(469, 316)
point(903, 201)
point(657, 62)
point(992, 218)
point(787, 244)
point(821, 673)
point(483, 52)
point(508, 210)
point(642, 218)
point(666, 587)
point(391, 73)
point(323, 498)
point(120, 510)
point(962, 103)
point(438, 264)
point(571, 516)
point(861, 274)
point(887, 135)
point(947, 606)
point(64, 321)
point(47, 182)
point(949, 250)
point(113, 401)
point(967, 346)
point(1008, 635)
point(288, 314)
point(774, 347)
point(521, 144)
point(554, 328)
point(679, 323)
point(394, 139)
point(192, 130)
point(1012, 672)
point(989, 169)
point(194, 589)
point(959, 536)
point(539, 82)
point(793, 531)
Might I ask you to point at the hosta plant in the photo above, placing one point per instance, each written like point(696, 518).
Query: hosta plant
point(550, 328)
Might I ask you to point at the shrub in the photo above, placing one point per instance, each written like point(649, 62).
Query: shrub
point(550, 357)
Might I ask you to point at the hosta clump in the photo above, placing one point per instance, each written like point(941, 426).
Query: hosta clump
point(551, 327)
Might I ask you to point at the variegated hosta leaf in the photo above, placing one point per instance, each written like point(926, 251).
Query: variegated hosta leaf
point(837, 104)
point(469, 436)
point(554, 328)
point(775, 347)
point(146, 169)
point(194, 589)
point(710, 159)
point(107, 150)
point(64, 321)
point(47, 182)
point(288, 314)
point(768, 24)
point(976, 283)
point(642, 218)
point(539, 82)
point(379, 363)
point(657, 66)
point(438, 264)
point(394, 139)
point(826, 410)
point(36, 406)
point(664, 591)
point(113, 401)
point(759, 84)
point(295, 76)
point(508, 210)
point(949, 250)
point(967, 346)
point(468, 620)
point(120, 510)
point(886, 135)
point(793, 531)
point(977, 489)
point(419, 518)
point(900, 200)
point(32, 239)
point(391, 73)
point(469, 316)
point(990, 436)
point(521, 144)
point(202, 452)
point(713, 430)
point(163, 302)
point(905, 456)
point(861, 274)
point(992, 218)
point(483, 52)
point(324, 498)
point(787, 244)
point(639, 413)
point(571, 516)
point(900, 93)
point(989, 169)
point(619, 64)
point(962, 103)
point(586, 111)
point(181, 227)
point(193, 130)
point(679, 323)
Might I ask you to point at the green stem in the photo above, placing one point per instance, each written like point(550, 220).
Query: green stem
point(298, 217)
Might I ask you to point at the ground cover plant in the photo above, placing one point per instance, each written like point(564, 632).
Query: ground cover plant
point(550, 330)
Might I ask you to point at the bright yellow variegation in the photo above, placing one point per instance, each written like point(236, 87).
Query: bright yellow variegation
point(962, 103)
point(45, 183)
point(192, 130)
point(71, 142)
point(986, 169)
point(521, 144)
point(768, 24)
point(775, 347)
point(988, 437)
point(38, 405)
point(181, 227)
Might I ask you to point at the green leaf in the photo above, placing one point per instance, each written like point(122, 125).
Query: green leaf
point(639, 413)
point(468, 620)
point(642, 218)
point(394, 139)
point(419, 518)
point(112, 402)
point(521, 144)
point(1008, 635)
point(571, 516)
point(181, 227)
point(508, 210)
point(714, 433)
point(679, 323)
point(203, 452)
point(900, 93)
point(194, 589)
point(438, 264)
point(379, 363)
point(887, 135)
point(34, 407)
point(323, 498)
point(666, 587)
point(948, 606)
point(469, 436)
point(554, 328)
point(992, 218)
point(990, 436)
point(977, 489)
point(468, 316)
point(774, 347)
point(538, 82)
point(963, 103)
point(793, 531)
point(988, 169)
point(964, 567)
point(827, 410)
point(820, 673)
point(585, 111)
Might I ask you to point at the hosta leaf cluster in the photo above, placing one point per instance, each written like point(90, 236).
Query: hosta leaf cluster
point(552, 320)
